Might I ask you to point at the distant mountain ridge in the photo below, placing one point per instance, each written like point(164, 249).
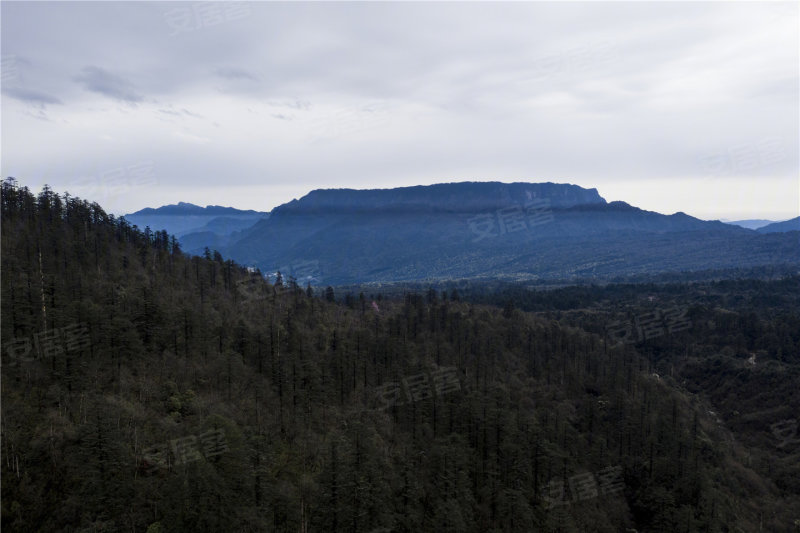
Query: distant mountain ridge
point(753, 223)
point(490, 229)
point(197, 227)
point(792, 224)
point(465, 230)
point(185, 209)
point(452, 197)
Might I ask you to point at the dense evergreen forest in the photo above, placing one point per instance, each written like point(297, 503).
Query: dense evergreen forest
point(145, 390)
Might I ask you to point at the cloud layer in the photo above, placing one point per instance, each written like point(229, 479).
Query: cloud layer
point(669, 106)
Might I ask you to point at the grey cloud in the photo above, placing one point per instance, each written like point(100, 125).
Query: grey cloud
point(300, 105)
point(593, 93)
point(38, 114)
point(98, 80)
point(30, 96)
point(232, 73)
point(179, 113)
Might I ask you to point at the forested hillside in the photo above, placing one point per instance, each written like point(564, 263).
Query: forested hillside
point(148, 391)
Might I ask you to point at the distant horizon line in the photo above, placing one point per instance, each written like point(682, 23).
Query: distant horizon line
point(750, 218)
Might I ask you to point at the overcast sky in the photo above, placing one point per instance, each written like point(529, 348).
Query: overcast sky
point(668, 106)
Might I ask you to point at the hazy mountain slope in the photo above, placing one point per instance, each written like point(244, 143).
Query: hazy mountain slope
point(218, 234)
point(182, 218)
point(753, 223)
point(195, 243)
point(792, 224)
point(491, 230)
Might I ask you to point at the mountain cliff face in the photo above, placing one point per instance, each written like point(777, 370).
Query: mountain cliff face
point(497, 230)
point(443, 197)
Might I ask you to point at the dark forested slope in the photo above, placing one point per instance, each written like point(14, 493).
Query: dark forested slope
point(144, 390)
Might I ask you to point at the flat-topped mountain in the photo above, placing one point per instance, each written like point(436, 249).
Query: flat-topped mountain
point(447, 197)
point(490, 230)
